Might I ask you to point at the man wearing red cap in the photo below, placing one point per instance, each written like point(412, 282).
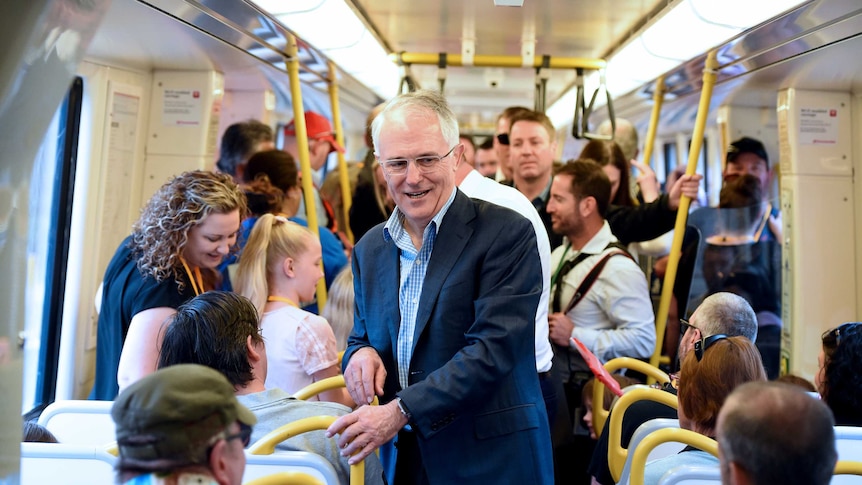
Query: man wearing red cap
point(321, 142)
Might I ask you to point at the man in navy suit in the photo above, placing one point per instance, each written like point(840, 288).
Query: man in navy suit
point(446, 298)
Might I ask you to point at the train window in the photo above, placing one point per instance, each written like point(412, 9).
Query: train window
point(51, 196)
point(702, 167)
point(670, 163)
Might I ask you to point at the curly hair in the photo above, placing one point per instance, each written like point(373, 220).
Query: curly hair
point(841, 386)
point(161, 232)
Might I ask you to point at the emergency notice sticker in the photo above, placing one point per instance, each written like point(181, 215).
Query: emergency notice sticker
point(818, 126)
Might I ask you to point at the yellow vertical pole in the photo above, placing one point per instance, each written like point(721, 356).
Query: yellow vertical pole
point(291, 51)
point(343, 176)
point(709, 71)
point(657, 101)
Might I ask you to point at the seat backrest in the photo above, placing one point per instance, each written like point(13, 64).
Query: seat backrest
point(616, 453)
point(692, 475)
point(648, 443)
point(600, 414)
point(659, 451)
point(80, 422)
point(848, 442)
point(69, 464)
point(266, 445)
point(258, 466)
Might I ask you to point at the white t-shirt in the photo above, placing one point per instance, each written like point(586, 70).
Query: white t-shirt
point(298, 344)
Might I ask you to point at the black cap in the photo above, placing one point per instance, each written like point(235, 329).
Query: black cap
point(746, 145)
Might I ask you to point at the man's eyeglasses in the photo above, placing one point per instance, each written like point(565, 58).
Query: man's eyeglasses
point(244, 435)
point(832, 338)
point(701, 345)
point(686, 325)
point(503, 138)
point(425, 163)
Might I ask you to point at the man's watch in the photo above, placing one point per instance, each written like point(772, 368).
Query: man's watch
point(402, 408)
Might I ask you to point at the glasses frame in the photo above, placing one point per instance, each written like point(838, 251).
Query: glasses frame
point(415, 160)
point(687, 325)
point(244, 434)
point(701, 345)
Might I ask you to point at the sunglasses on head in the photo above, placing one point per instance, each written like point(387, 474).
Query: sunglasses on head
point(503, 138)
point(701, 345)
point(832, 338)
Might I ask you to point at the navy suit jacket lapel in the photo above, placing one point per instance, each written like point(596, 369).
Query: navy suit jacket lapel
point(452, 237)
point(387, 275)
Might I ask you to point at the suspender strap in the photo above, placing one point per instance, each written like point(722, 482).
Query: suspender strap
point(591, 278)
point(564, 269)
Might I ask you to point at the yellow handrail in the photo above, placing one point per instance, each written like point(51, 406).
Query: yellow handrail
point(286, 478)
point(848, 468)
point(677, 435)
point(322, 385)
point(266, 445)
point(616, 453)
point(600, 414)
point(343, 176)
point(292, 61)
point(709, 75)
point(480, 60)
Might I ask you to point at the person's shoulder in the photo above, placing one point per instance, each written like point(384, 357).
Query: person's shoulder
point(315, 408)
point(373, 237)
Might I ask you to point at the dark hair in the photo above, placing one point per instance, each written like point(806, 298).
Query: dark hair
point(211, 329)
point(778, 434)
point(588, 180)
point(468, 139)
point(277, 165)
point(798, 381)
point(747, 145)
point(263, 197)
point(609, 153)
point(842, 381)
point(239, 141)
point(36, 433)
point(488, 144)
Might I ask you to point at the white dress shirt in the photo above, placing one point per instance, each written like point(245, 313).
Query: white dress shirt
point(478, 187)
point(615, 317)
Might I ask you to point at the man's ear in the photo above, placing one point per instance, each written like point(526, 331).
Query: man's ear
point(587, 206)
point(458, 154)
point(218, 463)
point(253, 355)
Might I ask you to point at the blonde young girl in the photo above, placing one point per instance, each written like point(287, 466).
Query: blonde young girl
point(278, 269)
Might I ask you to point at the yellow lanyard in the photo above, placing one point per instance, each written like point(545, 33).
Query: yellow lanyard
point(283, 300)
point(196, 278)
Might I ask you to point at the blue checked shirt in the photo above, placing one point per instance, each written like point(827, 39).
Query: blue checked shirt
point(414, 264)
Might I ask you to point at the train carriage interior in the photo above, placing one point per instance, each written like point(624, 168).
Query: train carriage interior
point(101, 101)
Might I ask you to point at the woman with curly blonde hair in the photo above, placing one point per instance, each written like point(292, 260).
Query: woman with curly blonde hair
point(184, 232)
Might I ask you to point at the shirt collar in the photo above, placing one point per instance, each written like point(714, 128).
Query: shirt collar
point(395, 224)
point(600, 240)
